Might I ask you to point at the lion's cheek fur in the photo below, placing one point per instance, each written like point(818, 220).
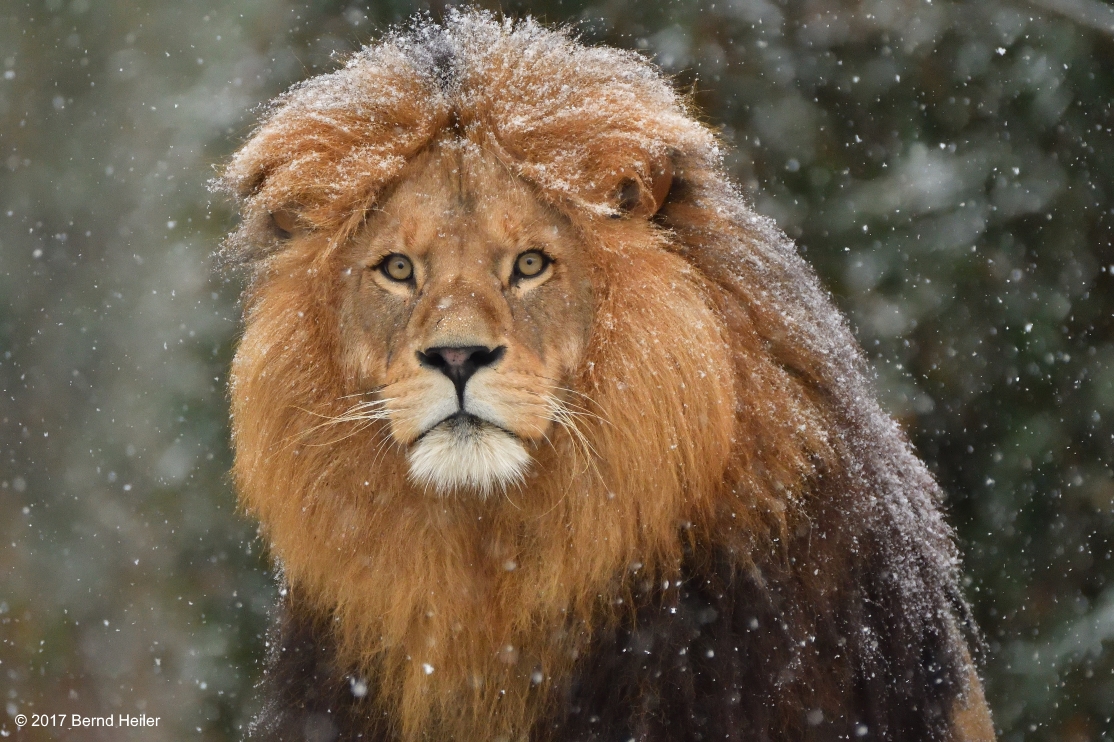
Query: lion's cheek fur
point(660, 354)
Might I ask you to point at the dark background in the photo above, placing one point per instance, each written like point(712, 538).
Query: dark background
point(948, 167)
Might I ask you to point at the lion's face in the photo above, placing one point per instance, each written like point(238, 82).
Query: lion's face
point(465, 307)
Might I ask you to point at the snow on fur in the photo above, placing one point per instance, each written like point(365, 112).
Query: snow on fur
point(812, 451)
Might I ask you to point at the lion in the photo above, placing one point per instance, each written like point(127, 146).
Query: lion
point(551, 436)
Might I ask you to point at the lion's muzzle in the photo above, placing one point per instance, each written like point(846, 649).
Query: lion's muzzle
point(465, 450)
point(460, 363)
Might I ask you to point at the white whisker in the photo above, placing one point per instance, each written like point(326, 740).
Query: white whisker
point(363, 413)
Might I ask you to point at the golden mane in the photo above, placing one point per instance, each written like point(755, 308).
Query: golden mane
point(731, 420)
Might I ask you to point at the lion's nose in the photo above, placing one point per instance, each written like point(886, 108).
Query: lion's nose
point(459, 363)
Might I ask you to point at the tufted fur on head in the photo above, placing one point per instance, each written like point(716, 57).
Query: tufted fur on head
point(716, 423)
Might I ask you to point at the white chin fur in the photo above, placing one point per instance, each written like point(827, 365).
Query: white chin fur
point(465, 454)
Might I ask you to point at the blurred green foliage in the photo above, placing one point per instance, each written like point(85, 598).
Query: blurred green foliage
point(948, 167)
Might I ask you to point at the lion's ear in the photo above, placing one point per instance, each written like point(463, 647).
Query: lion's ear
point(286, 223)
point(639, 198)
point(663, 182)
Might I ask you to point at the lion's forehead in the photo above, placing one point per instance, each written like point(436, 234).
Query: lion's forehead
point(463, 213)
point(447, 190)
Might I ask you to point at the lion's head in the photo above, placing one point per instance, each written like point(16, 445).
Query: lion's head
point(466, 307)
point(513, 347)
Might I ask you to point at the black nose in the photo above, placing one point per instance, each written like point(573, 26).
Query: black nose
point(460, 363)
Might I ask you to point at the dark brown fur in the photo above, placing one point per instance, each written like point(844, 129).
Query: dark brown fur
point(708, 659)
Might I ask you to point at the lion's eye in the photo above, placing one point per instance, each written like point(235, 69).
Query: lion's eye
point(531, 263)
point(397, 268)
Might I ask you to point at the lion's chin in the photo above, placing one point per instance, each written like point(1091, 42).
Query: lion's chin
point(467, 454)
